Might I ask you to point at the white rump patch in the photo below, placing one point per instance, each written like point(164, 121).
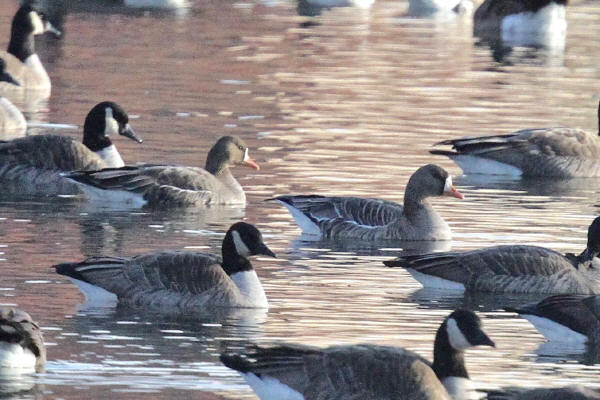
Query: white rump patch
point(111, 125)
point(430, 281)
point(36, 22)
point(250, 287)
point(14, 356)
point(479, 165)
point(555, 331)
point(456, 337)
point(240, 246)
point(111, 156)
point(95, 295)
point(460, 388)
point(121, 198)
point(308, 227)
point(269, 388)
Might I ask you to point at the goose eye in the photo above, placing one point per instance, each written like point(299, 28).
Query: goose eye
point(240, 147)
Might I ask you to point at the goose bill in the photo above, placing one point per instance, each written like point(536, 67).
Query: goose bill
point(450, 190)
point(250, 162)
point(128, 132)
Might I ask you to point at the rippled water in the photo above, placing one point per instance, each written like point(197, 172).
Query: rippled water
point(347, 102)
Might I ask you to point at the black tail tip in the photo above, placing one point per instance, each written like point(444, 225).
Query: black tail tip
point(235, 362)
point(395, 263)
point(66, 269)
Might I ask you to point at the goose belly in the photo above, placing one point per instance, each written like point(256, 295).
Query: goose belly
point(554, 331)
point(479, 165)
point(545, 27)
point(430, 281)
point(116, 197)
point(14, 356)
point(269, 388)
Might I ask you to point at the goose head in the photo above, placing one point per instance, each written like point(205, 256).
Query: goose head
point(106, 119)
point(27, 23)
point(242, 241)
point(431, 180)
point(228, 151)
point(463, 329)
point(5, 76)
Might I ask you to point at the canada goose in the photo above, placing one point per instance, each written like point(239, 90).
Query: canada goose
point(178, 281)
point(372, 219)
point(575, 392)
point(11, 119)
point(21, 343)
point(510, 269)
point(33, 164)
point(522, 23)
point(164, 186)
point(365, 371)
point(22, 61)
point(565, 318)
point(545, 152)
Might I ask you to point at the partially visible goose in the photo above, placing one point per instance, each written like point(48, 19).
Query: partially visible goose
point(510, 269)
point(523, 22)
point(22, 60)
point(365, 371)
point(33, 164)
point(11, 119)
point(164, 186)
point(21, 343)
point(565, 318)
point(373, 219)
point(178, 281)
point(575, 392)
point(544, 152)
point(435, 8)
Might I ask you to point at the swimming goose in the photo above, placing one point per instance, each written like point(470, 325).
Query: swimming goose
point(372, 219)
point(178, 281)
point(435, 8)
point(510, 269)
point(21, 342)
point(164, 186)
point(365, 371)
point(22, 60)
point(565, 318)
point(523, 22)
point(33, 164)
point(545, 152)
point(575, 392)
point(11, 119)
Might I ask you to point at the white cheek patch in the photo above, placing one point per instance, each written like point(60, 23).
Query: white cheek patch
point(240, 246)
point(246, 156)
point(448, 185)
point(111, 125)
point(455, 336)
point(36, 21)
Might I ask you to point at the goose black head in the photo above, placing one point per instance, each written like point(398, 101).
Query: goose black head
point(464, 330)
point(103, 120)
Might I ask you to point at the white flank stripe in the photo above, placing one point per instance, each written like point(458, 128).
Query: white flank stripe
point(430, 281)
point(268, 388)
point(555, 331)
point(479, 165)
point(95, 295)
point(307, 226)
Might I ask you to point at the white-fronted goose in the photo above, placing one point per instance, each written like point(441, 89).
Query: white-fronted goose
point(510, 269)
point(565, 318)
point(523, 22)
point(11, 118)
point(22, 61)
point(545, 152)
point(576, 392)
point(178, 281)
point(21, 343)
point(365, 371)
point(373, 219)
point(164, 186)
point(34, 164)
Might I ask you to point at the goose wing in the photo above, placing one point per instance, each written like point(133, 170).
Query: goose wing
point(342, 372)
point(49, 152)
point(153, 275)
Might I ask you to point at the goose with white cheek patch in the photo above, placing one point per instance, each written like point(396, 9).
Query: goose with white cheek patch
point(565, 318)
point(523, 22)
point(575, 392)
point(21, 343)
point(365, 371)
point(22, 61)
point(169, 186)
point(510, 269)
point(11, 118)
point(544, 152)
point(178, 281)
point(373, 219)
point(33, 164)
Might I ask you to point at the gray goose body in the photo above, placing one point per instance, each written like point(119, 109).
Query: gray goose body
point(373, 219)
point(21, 341)
point(363, 371)
point(565, 393)
point(33, 164)
point(510, 269)
point(180, 281)
point(567, 318)
point(546, 152)
point(166, 186)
